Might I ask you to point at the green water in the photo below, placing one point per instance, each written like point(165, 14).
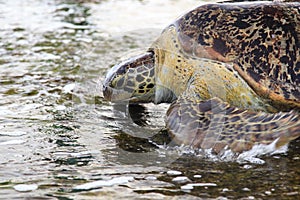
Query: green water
point(58, 133)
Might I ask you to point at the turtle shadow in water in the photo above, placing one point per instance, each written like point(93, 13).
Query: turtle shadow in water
point(138, 114)
point(134, 144)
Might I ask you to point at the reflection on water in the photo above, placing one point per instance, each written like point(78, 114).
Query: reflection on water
point(58, 134)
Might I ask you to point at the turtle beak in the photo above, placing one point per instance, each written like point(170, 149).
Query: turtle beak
point(107, 89)
point(107, 92)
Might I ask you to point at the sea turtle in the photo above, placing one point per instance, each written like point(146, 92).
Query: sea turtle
point(231, 72)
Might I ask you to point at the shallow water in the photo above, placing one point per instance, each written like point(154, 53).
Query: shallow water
point(59, 139)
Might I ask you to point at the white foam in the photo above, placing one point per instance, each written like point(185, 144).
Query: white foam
point(69, 88)
point(187, 187)
point(25, 187)
point(181, 179)
point(228, 155)
point(197, 176)
point(259, 150)
point(173, 173)
point(151, 178)
point(104, 183)
point(12, 142)
point(60, 107)
point(204, 184)
point(191, 186)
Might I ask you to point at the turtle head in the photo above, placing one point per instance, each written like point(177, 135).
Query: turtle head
point(132, 79)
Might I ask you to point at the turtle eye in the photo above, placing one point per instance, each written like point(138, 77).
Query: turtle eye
point(119, 83)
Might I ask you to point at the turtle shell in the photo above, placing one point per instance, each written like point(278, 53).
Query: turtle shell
point(262, 40)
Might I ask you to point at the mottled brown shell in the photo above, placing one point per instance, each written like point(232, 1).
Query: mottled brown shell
point(262, 40)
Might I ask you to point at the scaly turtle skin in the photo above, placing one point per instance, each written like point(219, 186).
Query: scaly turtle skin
point(231, 72)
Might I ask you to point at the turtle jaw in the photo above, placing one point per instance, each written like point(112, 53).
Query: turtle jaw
point(114, 95)
point(131, 80)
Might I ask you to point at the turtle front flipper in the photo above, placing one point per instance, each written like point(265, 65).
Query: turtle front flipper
point(214, 124)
